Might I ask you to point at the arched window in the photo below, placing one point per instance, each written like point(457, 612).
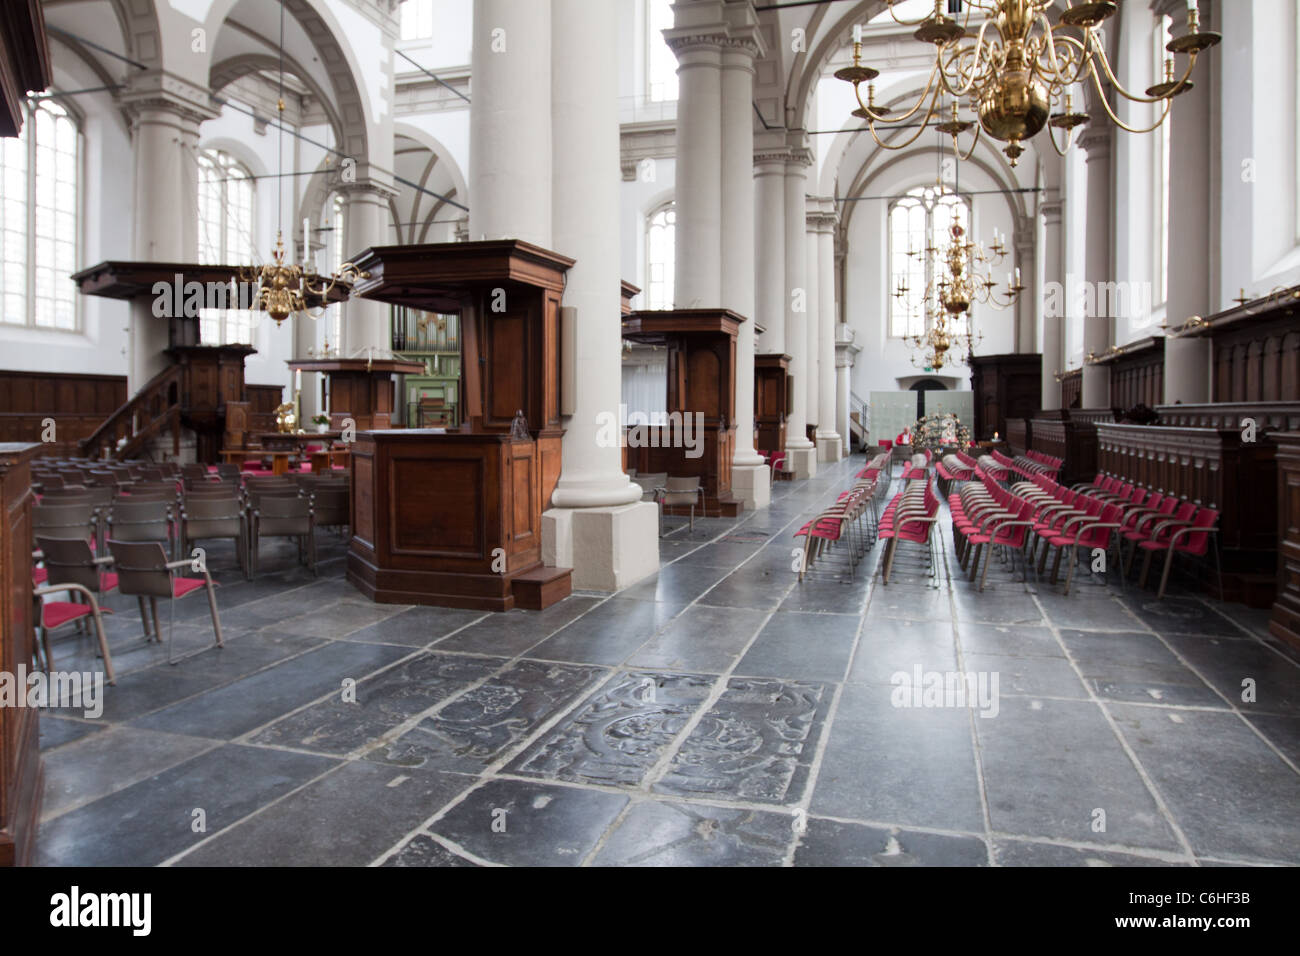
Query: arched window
point(918, 221)
point(659, 257)
point(417, 19)
point(40, 174)
point(661, 62)
point(226, 195)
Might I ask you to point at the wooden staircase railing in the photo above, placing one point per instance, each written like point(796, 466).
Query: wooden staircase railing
point(145, 415)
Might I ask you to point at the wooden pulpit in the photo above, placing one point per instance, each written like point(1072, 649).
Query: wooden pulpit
point(454, 518)
point(771, 400)
point(360, 389)
point(701, 345)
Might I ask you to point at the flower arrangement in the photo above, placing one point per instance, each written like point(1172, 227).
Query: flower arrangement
point(940, 431)
point(321, 420)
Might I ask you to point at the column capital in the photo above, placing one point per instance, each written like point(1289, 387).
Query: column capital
point(158, 90)
point(799, 159)
point(770, 158)
point(820, 214)
point(363, 189)
point(1096, 140)
point(1051, 210)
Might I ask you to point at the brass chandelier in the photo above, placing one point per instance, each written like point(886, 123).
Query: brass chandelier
point(1016, 72)
point(283, 289)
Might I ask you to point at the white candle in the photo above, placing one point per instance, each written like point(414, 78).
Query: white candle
point(297, 380)
point(857, 33)
point(1017, 275)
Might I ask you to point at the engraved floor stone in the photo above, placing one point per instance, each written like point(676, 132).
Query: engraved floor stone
point(755, 744)
point(476, 728)
point(378, 704)
point(619, 734)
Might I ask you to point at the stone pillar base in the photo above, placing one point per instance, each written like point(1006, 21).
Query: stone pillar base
point(803, 461)
point(608, 548)
point(829, 448)
point(752, 484)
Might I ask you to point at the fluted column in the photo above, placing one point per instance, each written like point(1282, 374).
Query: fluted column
point(1187, 360)
point(510, 122)
point(769, 243)
point(165, 227)
point(829, 445)
point(1098, 267)
point(1052, 305)
point(803, 456)
point(698, 236)
point(750, 475)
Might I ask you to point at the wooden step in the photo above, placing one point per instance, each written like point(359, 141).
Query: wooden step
point(541, 587)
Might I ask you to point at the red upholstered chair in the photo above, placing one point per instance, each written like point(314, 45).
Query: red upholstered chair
point(144, 571)
point(1009, 533)
point(1192, 537)
point(1089, 532)
point(69, 565)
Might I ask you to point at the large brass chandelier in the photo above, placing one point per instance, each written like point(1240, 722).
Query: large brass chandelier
point(960, 274)
point(285, 288)
point(1017, 71)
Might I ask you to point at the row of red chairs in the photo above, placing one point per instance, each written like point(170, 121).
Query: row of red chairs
point(1095, 517)
point(910, 517)
point(957, 467)
point(913, 472)
point(851, 520)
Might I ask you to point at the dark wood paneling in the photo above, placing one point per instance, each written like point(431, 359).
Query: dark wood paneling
point(1216, 469)
point(1267, 416)
point(1005, 386)
point(771, 391)
point(1256, 351)
point(21, 770)
point(1285, 621)
point(77, 403)
point(1138, 376)
point(1072, 388)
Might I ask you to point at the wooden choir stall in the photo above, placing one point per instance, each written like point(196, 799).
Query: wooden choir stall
point(454, 518)
point(701, 345)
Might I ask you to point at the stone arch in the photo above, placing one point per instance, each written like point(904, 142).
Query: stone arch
point(235, 68)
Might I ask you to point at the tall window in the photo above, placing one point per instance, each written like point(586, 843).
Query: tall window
point(661, 63)
point(417, 19)
point(39, 182)
point(1160, 252)
point(225, 238)
point(919, 220)
point(660, 253)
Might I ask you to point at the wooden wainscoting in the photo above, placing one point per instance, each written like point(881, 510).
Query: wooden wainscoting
point(1216, 469)
point(1285, 622)
point(77, 403)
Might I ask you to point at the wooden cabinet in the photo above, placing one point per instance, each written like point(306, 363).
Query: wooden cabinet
point(771, 391)
point(1285, 622)
point(21, 770)
point(1005, 386)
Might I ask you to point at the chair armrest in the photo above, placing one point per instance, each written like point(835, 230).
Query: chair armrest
point(106, 559)
point(1188, 530)
point(57, 588)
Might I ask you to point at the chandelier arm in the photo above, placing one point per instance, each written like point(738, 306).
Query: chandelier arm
point(924, 125)
point(973, 143)
point(1135, 98)
point(1057, 78)
point(889, 120)
point(960, 52)
point(905, 23)
point(1101, 95)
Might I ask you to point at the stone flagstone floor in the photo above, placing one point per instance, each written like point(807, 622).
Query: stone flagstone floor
point(719, 713)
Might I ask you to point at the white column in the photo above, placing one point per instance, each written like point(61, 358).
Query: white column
point(812, 325)
point(698, 237)
point(802, 453)
point(164, 140)
point(1097, 328)
point(367, 222)
point(750, 474)
point(1025, 246)
point(510, 122)
point(1052, 304)
point(769, 244)
point(598, 521)
point(1187, 360)
point(845, 352)
point(829, 445)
